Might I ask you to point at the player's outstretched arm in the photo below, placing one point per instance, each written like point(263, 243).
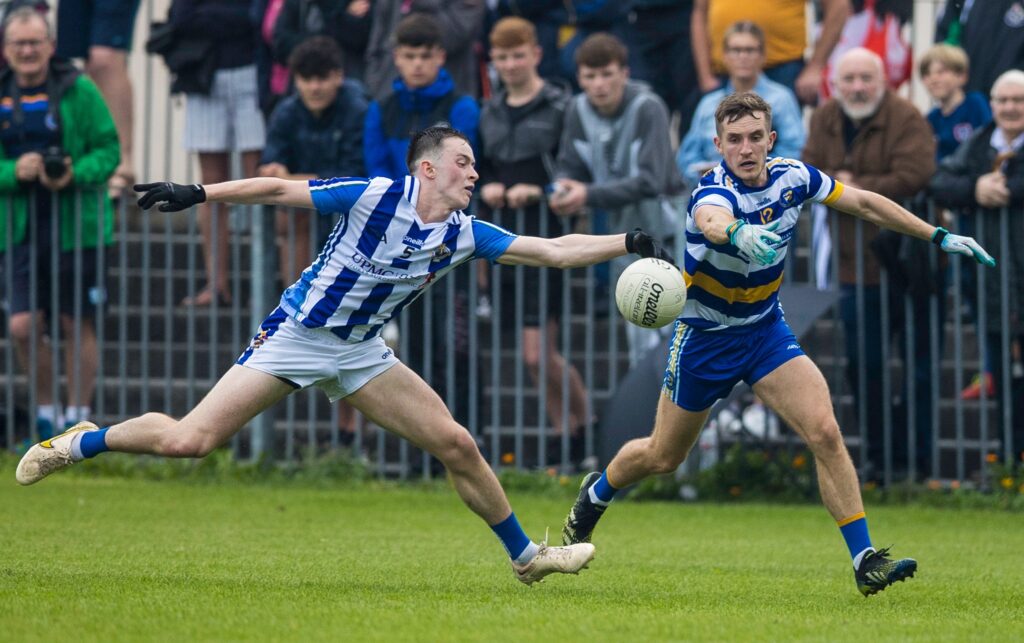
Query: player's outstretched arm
point(578, 250)
point(885, 213)
point(267, 190)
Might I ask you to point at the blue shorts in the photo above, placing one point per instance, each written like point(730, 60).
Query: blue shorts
point(703, 366)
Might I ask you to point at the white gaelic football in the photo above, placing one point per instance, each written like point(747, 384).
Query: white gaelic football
point(650, 293)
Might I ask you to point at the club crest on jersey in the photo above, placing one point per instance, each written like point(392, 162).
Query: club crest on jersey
point(442, 252)
point(260, 338)
point(786, 199)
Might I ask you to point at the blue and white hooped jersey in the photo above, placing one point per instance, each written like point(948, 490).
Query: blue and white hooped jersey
point(380, 256)
point(724, 287)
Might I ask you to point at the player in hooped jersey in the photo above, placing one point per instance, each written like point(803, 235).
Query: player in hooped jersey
point(394, 238)
point(732, 328)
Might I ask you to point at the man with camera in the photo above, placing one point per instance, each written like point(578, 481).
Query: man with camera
point(58, 147)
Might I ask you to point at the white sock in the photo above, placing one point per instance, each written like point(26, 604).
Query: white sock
point(48, 412)
point(75, 414)
point(528, 554)
point(76, 446)
point(859, 557)
point(594, 499)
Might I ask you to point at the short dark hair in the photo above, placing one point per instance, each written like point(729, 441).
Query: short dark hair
point(736, 106)
point(600, 50)
point(429, 140)
point(316, 57)
point(418, 30)
point(743, 26)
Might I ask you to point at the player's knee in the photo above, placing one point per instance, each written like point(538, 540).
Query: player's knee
point(186, 444)
point(824, 437)
point(458, 450)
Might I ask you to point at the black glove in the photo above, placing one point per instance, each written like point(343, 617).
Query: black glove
point(640, 243)
point(177, 197)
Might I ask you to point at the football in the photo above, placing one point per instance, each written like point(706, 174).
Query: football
point(650, 293)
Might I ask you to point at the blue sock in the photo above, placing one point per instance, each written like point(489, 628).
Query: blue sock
point(512, 536)
point(602, 492)
point(855, 533)
point(94, 443)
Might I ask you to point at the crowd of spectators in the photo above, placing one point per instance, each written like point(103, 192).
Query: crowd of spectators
point(570, 108)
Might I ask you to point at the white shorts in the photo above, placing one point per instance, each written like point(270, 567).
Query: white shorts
point(304, 357)
point(229, 118)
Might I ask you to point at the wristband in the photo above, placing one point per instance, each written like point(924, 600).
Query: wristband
point(731, 229)
point(939, 235)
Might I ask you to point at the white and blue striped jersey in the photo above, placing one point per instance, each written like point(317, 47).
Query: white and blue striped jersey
point(725, 288)
point(381, 255)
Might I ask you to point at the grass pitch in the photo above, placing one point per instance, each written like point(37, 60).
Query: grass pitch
point(111, 559)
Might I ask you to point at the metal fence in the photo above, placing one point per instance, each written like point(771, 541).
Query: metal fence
point(914, 352)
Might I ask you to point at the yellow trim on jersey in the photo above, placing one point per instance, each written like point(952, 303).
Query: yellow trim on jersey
point(778, 159)
point(833, 196)
point(732, 295)
point(853, 518)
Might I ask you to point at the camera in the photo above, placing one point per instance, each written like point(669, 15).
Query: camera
point(53, 162)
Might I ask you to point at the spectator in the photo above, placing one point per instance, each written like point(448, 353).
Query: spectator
point(956, 114)
point(744, 58)
point(986, 173)
point(316, 133)
point(423, 95)
point(991, 32)
point(221, 116)
point(51, 112)
point(100, 31)
point(460, 25)
point(657, 34)
point(785, 25)
point(868, 137)
point(616, 157)
point(520, 128)
point(346, 21)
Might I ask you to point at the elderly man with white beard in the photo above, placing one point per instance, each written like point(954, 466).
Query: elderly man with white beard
point(868, 137)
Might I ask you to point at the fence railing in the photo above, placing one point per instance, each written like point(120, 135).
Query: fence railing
point(530, 360)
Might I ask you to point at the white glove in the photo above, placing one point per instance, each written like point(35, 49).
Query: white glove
point(960, 245)
point(755, 241)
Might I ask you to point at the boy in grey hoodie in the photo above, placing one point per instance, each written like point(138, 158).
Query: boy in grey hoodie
point(616, 158)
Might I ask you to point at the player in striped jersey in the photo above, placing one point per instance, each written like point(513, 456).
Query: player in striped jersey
point(394, 239)
point(740, 218)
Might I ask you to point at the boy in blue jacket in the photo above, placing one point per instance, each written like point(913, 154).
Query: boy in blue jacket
point(424, 95)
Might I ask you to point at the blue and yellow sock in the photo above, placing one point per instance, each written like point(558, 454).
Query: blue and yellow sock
point(89, 444)
point(602, 491)
point(518, 545)
point(855, 533)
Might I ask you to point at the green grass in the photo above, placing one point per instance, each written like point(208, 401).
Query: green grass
point(110, 559)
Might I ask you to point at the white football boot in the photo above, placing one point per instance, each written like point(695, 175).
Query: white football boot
point(570, 559)
point(49, 455)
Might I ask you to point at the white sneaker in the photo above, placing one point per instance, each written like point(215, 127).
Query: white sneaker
point(49, 455)
point(570, 559)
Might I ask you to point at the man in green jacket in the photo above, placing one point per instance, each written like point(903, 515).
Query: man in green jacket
point(58, 147)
